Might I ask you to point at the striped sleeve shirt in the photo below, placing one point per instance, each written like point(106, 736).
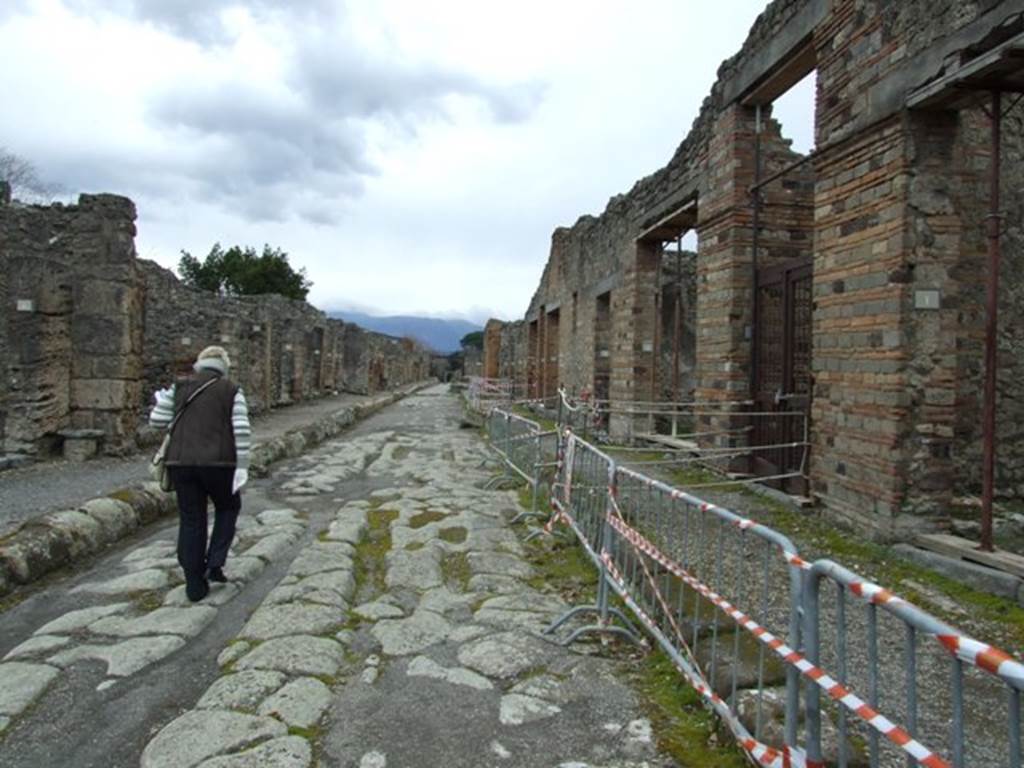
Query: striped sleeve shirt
point(162, 415)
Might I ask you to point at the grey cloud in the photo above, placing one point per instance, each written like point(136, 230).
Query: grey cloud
point(201, 21)
point(345, 82)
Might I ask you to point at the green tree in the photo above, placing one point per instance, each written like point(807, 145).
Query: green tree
point(473, 339)
point(241, 271)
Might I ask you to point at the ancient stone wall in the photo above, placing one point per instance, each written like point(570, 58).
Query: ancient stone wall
point(73, 313)
point(889, 212)
point(89, 332)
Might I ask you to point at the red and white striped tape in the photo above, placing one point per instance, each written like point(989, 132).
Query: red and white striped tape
point(760, 753)
point(833, 688)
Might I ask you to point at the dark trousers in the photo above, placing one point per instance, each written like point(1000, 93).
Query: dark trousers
point(194, 486)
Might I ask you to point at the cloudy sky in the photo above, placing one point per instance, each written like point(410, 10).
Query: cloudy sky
point(413, 157)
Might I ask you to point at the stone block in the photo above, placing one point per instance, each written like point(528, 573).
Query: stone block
point(100, 394)
point(116, 518)
point(977, 576)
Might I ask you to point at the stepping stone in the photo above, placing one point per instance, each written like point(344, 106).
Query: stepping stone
point(197, 735)
point(80, 619)
point(124, 658)
point(421, 666)
point(241, 690)
point(286, 752)
point(38, 644)
point(292, 619)
point(22, 684)
point(402, 637)
point(517, 709)
point(300, 704)
point(140, 581)
point(296, 655)
point(270, 548)
point(187, 622)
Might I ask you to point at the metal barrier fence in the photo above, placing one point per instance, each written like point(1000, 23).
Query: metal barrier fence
point(753, 446)
point(483, 394)
point(528, 451)
point(749, 624)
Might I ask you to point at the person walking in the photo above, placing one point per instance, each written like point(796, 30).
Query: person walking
point(207, 459)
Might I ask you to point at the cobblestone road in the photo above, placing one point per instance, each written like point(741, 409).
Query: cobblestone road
point(380, 613)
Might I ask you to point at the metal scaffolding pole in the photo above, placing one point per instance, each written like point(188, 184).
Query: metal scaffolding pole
point(991, 327)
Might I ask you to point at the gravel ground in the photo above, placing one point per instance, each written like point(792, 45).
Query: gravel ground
point(736, 568)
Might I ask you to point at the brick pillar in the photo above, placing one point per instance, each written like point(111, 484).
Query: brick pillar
point(633, 321)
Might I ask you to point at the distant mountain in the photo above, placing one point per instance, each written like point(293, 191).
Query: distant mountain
point(438, 334)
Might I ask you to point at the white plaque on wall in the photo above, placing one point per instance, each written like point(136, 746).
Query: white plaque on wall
point(26, 305)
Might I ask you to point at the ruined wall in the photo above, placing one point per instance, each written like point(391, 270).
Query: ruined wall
point(90, 332)
point(73, 316)
point(891, 209)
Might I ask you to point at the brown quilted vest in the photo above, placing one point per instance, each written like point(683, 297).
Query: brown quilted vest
point(203, 436)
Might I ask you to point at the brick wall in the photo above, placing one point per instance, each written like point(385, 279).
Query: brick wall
point(893, 204)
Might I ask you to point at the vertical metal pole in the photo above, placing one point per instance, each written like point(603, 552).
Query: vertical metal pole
point(989, 416)
point(1013, 696)
point(606, 535)
point(756, 225)
point(536, 475)
point(677, 329)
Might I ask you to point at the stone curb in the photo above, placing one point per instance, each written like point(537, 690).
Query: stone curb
point(977, 576)
point(44, 544)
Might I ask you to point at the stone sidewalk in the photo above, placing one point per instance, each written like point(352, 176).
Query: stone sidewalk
point(78, 526)
point(406, 631)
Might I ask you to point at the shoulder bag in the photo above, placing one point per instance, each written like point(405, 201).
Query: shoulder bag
point(158, 466)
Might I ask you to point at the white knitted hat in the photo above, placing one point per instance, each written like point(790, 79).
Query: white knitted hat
point(215, 358)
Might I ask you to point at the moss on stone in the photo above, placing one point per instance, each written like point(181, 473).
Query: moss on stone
point(455, 535)
point(456, 571)
point(426, 518)
point(682, 726)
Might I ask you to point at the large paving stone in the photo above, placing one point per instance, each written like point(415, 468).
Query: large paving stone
point(243, 568)
point(402, 637)
point(187, 622)
point(139, 581)
point(292, 619)
point(22, 684)
point(342, 582)
point(378, 610)
point(348, 529)
point(290, 593)
point(504, 656)
point(38, 644)
point(149, 552)
point(421, 666)
point(296, 655)
point(499, 564)
point(278, 516)
point(286, 752)
point(197, 735)
point(300, 703)
point(124, 658)
point(83, 617)
point(517, 709)
point(496, 585)
point(219, 595)
point(270, 548)
point(313, 561)
point(418, 570)
point(241, 690)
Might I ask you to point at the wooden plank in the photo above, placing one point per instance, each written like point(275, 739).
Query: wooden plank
point(671, 442)
point(963, 549)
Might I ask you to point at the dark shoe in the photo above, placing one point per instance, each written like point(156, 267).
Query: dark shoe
point(197, 589)
point(217, 574)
